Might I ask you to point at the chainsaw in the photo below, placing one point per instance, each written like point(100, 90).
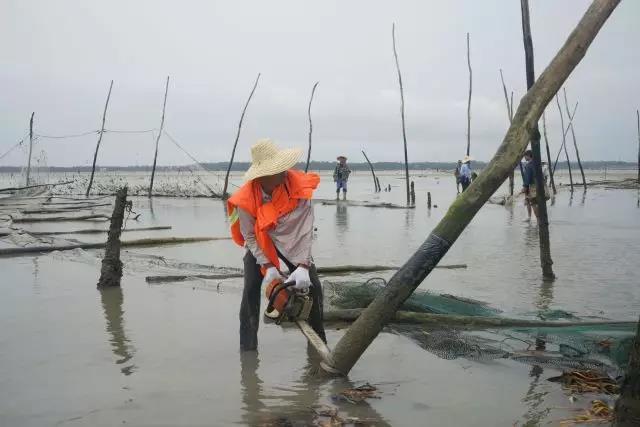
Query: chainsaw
point(289, 305)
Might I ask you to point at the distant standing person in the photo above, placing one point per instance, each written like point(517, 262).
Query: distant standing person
point(529, 183)
point(465, 172)
point(456, 173)
point(341, 176)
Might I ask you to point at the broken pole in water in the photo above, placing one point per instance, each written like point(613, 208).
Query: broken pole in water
point(378, 188)
point(155, 156)
point(404, 132)
point(313, 91)
point(627, 407)
point(30, 148)
point(95, 155)
point(573, 136)
point(413, 193)
point(383, 308)
point(375, 180)
point(235, 144)
point(510, 117)
point(111, 271)
point(543, 219)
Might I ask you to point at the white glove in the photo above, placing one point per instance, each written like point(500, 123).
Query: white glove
point(271, 275)
point(300, 277)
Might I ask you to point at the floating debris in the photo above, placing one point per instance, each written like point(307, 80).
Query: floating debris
point(587, 381)
point(357, 394)
point(599, 413)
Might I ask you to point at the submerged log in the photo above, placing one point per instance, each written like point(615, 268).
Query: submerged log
point(111, 271)
point(61, 218)
point(350, 315)
point(160, 241)
point(95, 231)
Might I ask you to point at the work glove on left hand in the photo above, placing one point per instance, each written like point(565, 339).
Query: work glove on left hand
point(300, 277)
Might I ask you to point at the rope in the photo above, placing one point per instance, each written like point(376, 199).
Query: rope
point(6, 153)
point(130, 131)
point(67, 136)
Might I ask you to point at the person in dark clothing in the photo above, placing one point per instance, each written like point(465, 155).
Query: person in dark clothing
point(529, 183)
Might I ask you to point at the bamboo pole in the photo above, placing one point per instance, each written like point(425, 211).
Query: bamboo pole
point(383, 308)
point(111, 270)
point(543, 220)
point(510, 117)
point(627, 407)
point(235, 144)
point(564, 142)
point(160, 241)
point(564, 136)
point(375, 180)
point(404, 132)
point(546, 143)
point(155, 156)
point(95, 155)
point(573, 136)
point(313, 91)
point(469, 100)
point(30, 148)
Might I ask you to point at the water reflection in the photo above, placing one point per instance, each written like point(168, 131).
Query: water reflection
point(36, 274)
point(153, 215)
point(342, 222)
point(121, 346)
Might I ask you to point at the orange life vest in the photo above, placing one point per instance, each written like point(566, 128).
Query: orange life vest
point(284, 199)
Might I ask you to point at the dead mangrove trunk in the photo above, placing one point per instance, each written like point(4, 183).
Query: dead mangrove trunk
point(383, 308)
point(627, 408)
point(313, 91)
point(375, 180)
point(95, 155)
point(469, 99)
point(546, 143)
point(155, 156)
point(404, 131)
point(235, 143)
point(30, 148)
point(543, 220)
point(573, 136)
point(111, 271)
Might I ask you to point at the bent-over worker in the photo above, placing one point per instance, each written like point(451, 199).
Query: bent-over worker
point(272, 217)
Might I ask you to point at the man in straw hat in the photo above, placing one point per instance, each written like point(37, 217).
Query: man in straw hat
point(272, 217)
point(341, 176)
point(465, 172)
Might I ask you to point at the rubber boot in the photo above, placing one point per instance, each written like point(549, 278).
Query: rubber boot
point(344, 195)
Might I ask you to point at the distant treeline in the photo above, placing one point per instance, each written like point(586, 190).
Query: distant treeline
point(318, 166)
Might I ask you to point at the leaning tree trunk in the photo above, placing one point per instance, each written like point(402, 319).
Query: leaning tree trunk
point(111, 271)
point(382, 309)
point(543, 220)
point(404, 132)
point(313, 91)
point(235, 144)
point(627, 409)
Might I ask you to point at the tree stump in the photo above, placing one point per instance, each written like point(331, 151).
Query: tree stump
point(111, 271)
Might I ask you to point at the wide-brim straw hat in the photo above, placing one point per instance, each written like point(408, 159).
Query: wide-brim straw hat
point(268, 159)
point(341, 157)
point(466, 159)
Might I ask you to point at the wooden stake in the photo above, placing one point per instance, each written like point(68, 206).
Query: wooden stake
point(375, 180)
point(95, 155)
point(30, 148)
point(378, 188)
point(313, 91)
point(543, 220)
point(404, 132)
point(463, 209)
point(235, 144)
point(155, 156)
point(564, 142)
point(469, 100)
point(546, 143)
point(429, 199)
point(413, 193)
point(573, 136)
point(111, 271)
point(510, 117)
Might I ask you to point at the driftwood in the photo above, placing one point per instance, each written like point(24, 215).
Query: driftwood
point(334, 270)
point(155, 156)
point(111, 270)
point(350, 315)
point(383, 308)
point(30, 148)
point(573, 136)
point(313, 91)
point(235, 144)
point(159, 241)
point(404, 132)
point(95, 155)
point(543, 220)
point(13, 189)
point(61, 218)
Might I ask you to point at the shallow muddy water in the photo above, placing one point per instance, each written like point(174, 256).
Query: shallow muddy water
point(168, 354)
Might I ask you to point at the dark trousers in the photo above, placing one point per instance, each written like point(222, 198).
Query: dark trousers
point(252, 294)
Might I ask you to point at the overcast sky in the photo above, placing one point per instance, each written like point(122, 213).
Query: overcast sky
point(57, 58)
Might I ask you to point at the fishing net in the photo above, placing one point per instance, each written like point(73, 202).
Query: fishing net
point(603, 347)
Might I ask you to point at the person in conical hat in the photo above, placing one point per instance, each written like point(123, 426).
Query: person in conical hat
point(341, 176)
point(465, 172)
point(272, 217)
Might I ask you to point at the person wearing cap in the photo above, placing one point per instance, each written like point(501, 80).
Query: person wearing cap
point(465, 172)
point(340, 177)
point(272, 217)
